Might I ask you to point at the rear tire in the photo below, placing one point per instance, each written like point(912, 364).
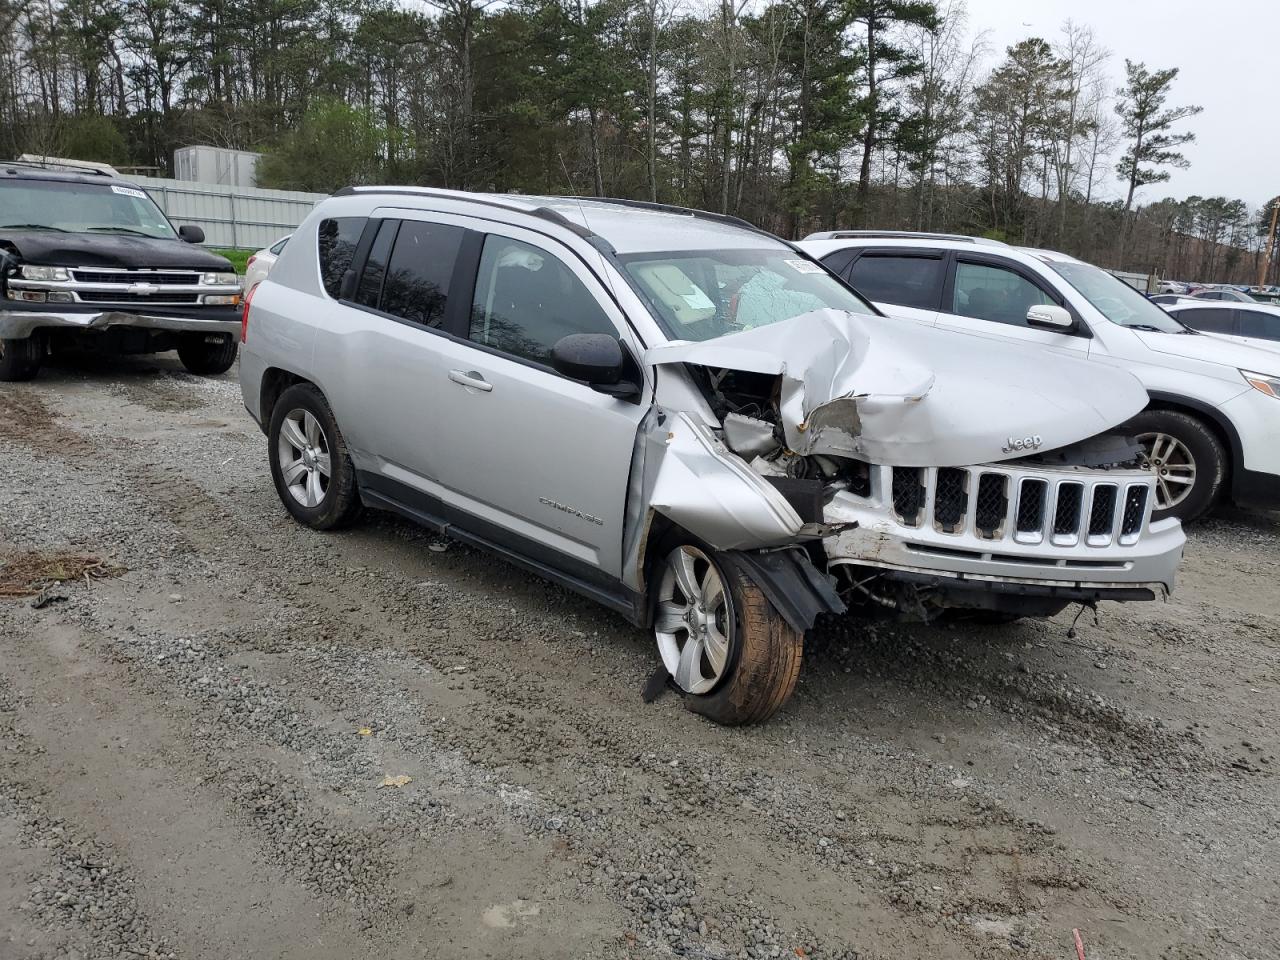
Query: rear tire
point(757, 671)
point(1181, 447)
point(303, 442)
point(21, 359)
point(204, 358)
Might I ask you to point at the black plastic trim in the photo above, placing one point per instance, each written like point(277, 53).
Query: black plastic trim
point(790, 581)
point(1004, 587)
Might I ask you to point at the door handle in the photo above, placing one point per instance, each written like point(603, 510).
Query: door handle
point(472, 379)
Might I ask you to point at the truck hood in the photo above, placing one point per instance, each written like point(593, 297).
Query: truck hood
point(1206, 346)
point(897, 392)
point(49, 248)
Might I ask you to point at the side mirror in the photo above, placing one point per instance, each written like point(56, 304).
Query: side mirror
point(191, 233)
point(597, 359)
point(1050, 317)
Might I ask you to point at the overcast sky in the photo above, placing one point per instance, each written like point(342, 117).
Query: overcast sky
point(1226, 55)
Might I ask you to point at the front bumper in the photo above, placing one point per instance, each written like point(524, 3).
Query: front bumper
point(1145, 561)
point(19, 324)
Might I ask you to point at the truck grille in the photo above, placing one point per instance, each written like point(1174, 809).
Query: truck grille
point(999, 503)
point(119, 296)
point(154, 277)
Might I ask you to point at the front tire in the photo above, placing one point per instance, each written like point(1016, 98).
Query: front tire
point(21, 359)
point(205, 355)
point(1188, 459)
point(728, 650)
point(313, 473)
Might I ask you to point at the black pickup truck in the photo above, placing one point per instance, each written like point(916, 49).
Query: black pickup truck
point(89, 262)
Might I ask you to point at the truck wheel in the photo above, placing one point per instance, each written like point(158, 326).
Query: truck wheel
point(206, 355)
point(729, 651)
point(21, 359)
point(1188, 459)
point(312, 470)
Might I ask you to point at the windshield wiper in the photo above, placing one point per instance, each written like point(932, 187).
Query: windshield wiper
point(32, 226)
point(1148, 327)
point(135, 233)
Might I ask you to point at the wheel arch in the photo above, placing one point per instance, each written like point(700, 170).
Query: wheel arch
point(1212, 417)
point(275, 381)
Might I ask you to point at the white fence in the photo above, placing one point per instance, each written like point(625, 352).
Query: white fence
point(246, 217)
point(1143, 283)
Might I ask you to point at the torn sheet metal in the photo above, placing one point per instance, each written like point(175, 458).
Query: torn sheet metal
point(897, 392)
point(685, 473)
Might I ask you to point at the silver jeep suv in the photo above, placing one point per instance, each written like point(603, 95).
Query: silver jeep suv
point(689, 421)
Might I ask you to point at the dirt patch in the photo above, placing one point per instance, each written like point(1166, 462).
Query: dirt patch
point(28, 574)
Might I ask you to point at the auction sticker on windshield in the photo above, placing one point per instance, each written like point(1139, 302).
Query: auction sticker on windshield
point(128, 192)
point(804, 266)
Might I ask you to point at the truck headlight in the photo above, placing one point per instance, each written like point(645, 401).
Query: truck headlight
point(1260, 381)
point(220, 278)
point(31, 272)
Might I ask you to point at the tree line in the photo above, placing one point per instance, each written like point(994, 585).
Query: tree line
point(797, 115)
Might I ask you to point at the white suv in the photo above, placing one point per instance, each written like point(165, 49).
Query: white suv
point(687, 420)
point(1212, 423)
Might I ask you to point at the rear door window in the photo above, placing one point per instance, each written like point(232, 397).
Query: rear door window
point(337, 239)
point(905, 281)
point(416, 286)
point(1214, 320)
point(526, 300)
point(1259, 323)
point(988, 292)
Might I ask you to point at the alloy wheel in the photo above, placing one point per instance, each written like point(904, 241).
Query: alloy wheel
point(304, 457)
point(693, 623)
point(1174, 466)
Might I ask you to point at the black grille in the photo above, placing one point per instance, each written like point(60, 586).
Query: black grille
point(1066, 515)
point(119, 296)
point(1135, 506)
point(137, 276)
point(1031, 506)
point(993, 504)
point(908, 494)
point(1103, 511)
point(950, 499)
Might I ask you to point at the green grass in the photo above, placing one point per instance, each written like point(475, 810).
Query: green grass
point(238, 258)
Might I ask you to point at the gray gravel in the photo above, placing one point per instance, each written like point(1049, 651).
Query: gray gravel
point(193, 753)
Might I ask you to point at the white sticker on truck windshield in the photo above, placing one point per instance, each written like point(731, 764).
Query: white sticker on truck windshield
point(128, 192)
point(804, 266)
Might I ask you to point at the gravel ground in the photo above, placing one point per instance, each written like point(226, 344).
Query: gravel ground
point(192, 755)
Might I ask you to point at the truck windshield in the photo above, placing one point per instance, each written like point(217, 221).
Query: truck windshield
point(1115, 299)
point(703, 294)
point(81, 208)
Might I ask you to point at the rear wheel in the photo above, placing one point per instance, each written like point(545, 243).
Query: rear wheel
point(728, 650)
point(312, 470)
point(21, 359)
point(1188, 459)
point(207, 354)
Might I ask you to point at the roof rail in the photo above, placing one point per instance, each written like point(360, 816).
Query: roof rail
point(62, 164)
point(56, 167)
point(899, 235)
point(683, 211)
point(543, 213)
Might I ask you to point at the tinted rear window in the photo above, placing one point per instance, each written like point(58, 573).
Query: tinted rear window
point(375, 267)
point(1257, 323)
point(338, 237)
point(905, 281)
point(417, 283)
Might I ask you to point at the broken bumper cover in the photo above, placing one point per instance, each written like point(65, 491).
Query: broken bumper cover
point(19, 324)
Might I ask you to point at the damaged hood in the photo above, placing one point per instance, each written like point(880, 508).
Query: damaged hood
point(897, 392)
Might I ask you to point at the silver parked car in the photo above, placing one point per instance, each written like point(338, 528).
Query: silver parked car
point(691, 422)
